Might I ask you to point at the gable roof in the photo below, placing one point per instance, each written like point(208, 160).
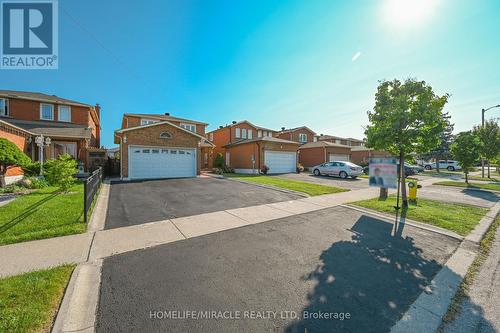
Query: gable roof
point(296, 129)
point(322, 144)
point(165, 122)
point(265, 139)
point(162, 117)
point(41, 97)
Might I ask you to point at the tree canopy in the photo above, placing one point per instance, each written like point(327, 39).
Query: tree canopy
point(490, 138)
point(10, 155)
point(466, 150)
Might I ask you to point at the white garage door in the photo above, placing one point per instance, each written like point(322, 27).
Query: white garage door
point(161, 162)
point(338, 157)
point(280, 162)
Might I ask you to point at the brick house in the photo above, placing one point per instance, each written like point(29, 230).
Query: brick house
point(73, 127)
point(161, 146)
point(301, 134)
point(247, 148)
point(341, 141)
point(314, 153)
point(362, 155)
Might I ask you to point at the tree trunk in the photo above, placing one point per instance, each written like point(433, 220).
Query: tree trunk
point(467, 177)
point(2, 180)
point(437, 163)
point(404, 199)
point(383, 193)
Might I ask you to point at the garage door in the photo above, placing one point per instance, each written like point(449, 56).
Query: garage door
point(280, 162)
point(338, 157)
point(161, 162)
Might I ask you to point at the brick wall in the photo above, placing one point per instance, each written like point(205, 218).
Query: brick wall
point(310, 157)
point(295, 135)
point(19, 139)
point(363, 156)
point(150, 136)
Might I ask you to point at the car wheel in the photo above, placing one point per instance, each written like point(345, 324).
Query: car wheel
point(343, 174)
point(316, 172)
point(428, 167)
point(450, 168)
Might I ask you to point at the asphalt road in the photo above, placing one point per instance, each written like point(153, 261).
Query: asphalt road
point(349, 183)
point(335, 261)
point(132, 203)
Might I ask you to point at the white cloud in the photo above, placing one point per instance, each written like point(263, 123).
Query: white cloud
point(356, 56)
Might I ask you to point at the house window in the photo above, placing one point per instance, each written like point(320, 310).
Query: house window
point(237, 133)
point(46, 111)
point(250, 134)
point(259, 134)
point(148, 121)
point(61, 148)
point(211, 136)
point(3, 107)
point(303, 137)
point(189, 127)
point(243, 133)
point(315, 139)
point(64, 113)
point(265, 133)
point(165, 135)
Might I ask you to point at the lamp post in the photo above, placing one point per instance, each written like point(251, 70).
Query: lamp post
point(483, 111)
point(41, 142)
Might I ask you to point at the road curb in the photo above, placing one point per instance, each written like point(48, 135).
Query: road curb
point(78, 309)
point(98, 218)
point(427, 312)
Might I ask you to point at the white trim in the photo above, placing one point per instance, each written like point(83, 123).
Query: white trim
point(237, 132)
point(247, 171)
point(147, 121)
point(250, 134)
point(188, 126)
point(156, 124)
point(41, 113)
point(59, 113)
point(5, 111)
point(302, 135)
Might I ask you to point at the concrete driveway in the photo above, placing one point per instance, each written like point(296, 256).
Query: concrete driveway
point(459, 195)
point(352, 184)
point(267, 277)
point(132, 203)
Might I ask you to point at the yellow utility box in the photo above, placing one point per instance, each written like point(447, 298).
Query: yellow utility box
point(412, 186)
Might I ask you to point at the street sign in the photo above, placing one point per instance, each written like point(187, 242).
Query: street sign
point(383, 172)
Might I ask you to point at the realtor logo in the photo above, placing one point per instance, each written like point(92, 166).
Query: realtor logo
point(29, 35)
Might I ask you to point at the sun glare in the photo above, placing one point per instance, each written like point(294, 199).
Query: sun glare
point(408, 13)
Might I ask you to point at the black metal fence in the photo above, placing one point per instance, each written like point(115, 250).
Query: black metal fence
point(90, 188)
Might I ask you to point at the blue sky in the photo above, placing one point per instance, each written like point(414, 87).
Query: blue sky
point(274, 63)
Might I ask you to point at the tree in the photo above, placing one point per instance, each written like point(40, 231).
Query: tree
point(467, 150)
point(219, 161)
point(443, 150)
point(490, 138)
point(10, 156)
point(407, 118)
point(61, 172)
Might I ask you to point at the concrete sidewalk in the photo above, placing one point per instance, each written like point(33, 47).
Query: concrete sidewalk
point(97, 243)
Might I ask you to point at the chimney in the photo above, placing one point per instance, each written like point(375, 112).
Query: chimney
point(98, 110)
point(167, 113)
point(221, 126)
point(282, 128)
point(234, 122)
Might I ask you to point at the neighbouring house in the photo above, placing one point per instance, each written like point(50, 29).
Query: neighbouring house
point(162, 146)
point(300, 134)
point(314, 153)
point(362, 155)
point(341, 141)
point(250, 155)
point(72, 126)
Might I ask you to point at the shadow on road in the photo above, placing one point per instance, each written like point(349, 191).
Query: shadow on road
point(374, 278)
point(483, 194)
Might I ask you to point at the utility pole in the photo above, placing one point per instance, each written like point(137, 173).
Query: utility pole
point(483, 111)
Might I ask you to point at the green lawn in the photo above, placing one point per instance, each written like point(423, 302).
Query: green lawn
point(42, 214)
point(485, 186)
point(455, 217)
point(29, 302)
point(492, 179)
point(294, 185)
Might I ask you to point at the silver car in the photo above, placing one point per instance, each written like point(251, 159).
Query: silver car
point(341, 169)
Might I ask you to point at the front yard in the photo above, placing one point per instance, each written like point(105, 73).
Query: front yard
point(294, 185)
point(482, 186)
point(42, 214)
point(455, 217)
point(29, 302)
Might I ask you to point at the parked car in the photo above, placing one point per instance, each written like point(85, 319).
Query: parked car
point(443, 164)
point(409, 170)
point(416, 168)
point(338, 168)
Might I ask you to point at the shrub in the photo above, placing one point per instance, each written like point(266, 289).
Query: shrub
point(10, 155)
point(264, 169)
point(37, 182)
point(12, 188)
point(227, 169)
point(32, 169)
point(219, 161)
point(61, 172)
